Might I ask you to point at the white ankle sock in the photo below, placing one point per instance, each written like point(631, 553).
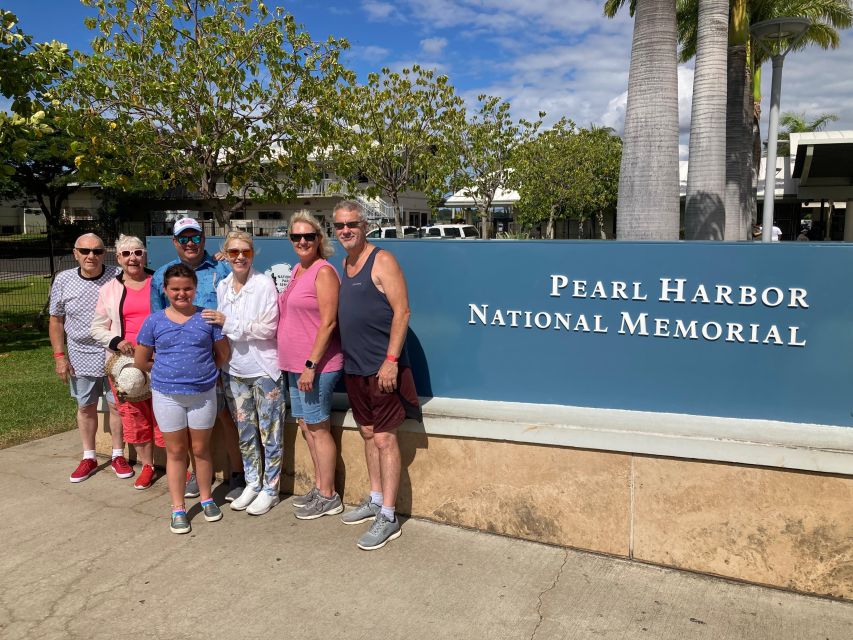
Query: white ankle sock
point(89, 454)
point(376, 497)
point(117, 453)
point(388, 512)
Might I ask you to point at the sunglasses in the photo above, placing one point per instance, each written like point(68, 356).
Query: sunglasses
point(353, 224)
point(310, 237)
point(136, 252)
point(235, 253)
point(188, 239)
point(85, 251)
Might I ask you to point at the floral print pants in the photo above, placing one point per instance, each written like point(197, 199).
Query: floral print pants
point(256, 405)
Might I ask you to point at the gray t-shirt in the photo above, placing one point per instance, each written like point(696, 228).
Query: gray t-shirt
point(74, 297)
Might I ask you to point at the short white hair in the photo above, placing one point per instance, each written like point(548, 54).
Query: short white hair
point(128, 242)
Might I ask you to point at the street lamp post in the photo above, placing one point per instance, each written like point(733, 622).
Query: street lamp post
point(776, 38)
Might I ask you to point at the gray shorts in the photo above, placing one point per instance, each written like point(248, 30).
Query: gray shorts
point(87, 390)
point(177, 411)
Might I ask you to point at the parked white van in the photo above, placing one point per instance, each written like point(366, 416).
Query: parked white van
point(450, 231)
point(391, 232)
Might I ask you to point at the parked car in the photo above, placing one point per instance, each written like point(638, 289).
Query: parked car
point(280, 232)
point(461, 231)
point(391, 232)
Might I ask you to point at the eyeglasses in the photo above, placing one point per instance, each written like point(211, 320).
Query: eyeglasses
point(85, 251)
point(235, 253)
point(188, 239)
point(352, 224)
point(136, 252)
point(310, 237)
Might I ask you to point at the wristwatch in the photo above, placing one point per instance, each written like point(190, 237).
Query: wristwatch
point(310, 364)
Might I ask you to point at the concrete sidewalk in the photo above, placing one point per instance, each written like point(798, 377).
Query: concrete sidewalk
point(96, 560)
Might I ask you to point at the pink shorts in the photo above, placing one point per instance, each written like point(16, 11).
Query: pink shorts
point(137, 421)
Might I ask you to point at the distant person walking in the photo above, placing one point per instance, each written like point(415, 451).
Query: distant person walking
point(309, 350)
point(123, 304)
point(373, 316)
point(189, 353)
point(188, 240)
point(248, 314)
point(78, 356)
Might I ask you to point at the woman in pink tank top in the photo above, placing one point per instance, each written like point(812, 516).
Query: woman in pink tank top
point(123, 304)
point(309, 350)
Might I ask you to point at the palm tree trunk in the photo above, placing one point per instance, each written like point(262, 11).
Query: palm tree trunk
point(704, 213)
point(648, 207)
point(738, 198)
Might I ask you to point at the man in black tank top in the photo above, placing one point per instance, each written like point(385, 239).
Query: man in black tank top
point(373, 317)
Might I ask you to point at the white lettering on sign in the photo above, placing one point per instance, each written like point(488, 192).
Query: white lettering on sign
point(642, 323)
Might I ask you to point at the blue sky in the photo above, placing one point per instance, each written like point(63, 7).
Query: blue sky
point(559, 56)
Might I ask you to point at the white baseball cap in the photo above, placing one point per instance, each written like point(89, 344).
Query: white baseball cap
point(184, 224)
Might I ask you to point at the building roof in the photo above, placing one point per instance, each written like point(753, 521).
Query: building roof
point(823, 164)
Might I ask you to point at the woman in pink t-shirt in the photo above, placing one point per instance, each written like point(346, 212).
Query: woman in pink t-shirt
point(123, 304)
point(309, 350)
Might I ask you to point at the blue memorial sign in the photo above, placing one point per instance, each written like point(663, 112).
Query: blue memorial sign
point(744, 330)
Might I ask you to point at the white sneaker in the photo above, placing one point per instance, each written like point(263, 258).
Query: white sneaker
point(246, 498)
point(263, 503)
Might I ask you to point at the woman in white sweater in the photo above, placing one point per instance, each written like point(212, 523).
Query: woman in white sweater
point(247, 310)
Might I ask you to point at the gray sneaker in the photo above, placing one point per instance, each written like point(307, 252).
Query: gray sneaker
point(180, 523)
point(236, 484)
point(365, 511)
point(305, 499)
point(381, 531)
point(211, 511)
point(191, 490)
point(320, 507)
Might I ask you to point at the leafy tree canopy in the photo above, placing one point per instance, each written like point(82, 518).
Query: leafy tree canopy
point(567, 173)
point(487, 145)
point(27, 74)
point(196, 93)
point(398, 131)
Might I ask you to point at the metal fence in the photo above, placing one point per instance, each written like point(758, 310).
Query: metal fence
point(28, 262)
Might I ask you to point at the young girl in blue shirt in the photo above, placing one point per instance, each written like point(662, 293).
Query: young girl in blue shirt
point(189, 353)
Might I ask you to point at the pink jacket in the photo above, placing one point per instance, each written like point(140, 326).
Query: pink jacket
point(108, 325)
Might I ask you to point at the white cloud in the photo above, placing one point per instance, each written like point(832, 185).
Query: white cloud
point(370, 53)
point(376, 10)
point(433, 46)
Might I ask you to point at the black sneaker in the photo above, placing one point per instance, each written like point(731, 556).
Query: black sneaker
point(235, 487)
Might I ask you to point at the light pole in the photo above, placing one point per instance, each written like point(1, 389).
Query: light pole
point(776, 38)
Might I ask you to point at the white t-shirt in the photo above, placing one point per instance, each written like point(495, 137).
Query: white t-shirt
point(775, 234)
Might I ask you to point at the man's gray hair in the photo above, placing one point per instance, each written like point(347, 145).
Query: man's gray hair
point(352, 205)
point(94, 236)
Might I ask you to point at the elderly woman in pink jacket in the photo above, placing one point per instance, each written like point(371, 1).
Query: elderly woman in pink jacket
point(123, 304)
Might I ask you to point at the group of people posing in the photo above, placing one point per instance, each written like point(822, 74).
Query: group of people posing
point(215, 338)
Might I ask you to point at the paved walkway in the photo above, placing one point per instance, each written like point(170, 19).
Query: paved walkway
point(96, 560)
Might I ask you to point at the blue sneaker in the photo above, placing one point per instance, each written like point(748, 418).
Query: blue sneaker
point(380, 533)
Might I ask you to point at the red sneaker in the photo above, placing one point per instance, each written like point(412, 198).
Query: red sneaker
point(86, 468)
point(120, 466)
point(145, 478)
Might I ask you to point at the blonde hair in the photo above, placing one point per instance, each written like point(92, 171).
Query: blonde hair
point(127, 242)
point(238, 235)
point(325, 248)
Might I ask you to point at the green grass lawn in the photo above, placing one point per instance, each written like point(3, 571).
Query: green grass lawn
point(22, 299)
point(33, 401)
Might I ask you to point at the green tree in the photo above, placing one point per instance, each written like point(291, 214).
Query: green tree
point(552, 188)
point(399, 131)
point(28, 72)
point(793, 122)
point(487, 144)
point(201, 93)
point(648, 183)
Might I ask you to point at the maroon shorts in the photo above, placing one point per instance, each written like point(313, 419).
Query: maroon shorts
point(383, 411)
